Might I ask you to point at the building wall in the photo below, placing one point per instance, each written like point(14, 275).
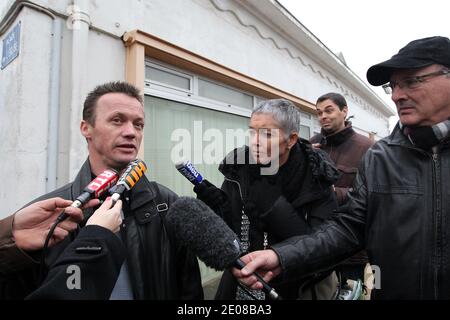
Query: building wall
point(240, 38)
point(24, 94)
point(237, 37)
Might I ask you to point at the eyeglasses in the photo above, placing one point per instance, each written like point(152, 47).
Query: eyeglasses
point(413, 82)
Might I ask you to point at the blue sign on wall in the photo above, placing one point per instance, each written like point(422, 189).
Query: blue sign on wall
point(11, 46)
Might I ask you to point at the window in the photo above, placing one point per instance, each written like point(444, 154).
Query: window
point(305, 115)
point(230, 96)
point(305, 132)
point(169, 82)
point(168, 78)
point(170, 124)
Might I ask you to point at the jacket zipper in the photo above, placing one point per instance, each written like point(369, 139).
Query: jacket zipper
point(244, 236)
point(438, 222)
point(436, 211)
point(245, 222)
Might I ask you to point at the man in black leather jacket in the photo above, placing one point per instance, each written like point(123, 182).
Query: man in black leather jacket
point(399, 209)
point(157, 266)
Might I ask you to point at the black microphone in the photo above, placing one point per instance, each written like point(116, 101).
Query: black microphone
point(209, 237)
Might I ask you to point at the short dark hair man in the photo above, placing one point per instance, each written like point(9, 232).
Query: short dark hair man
point(157, 265)
point(346, 148)
point(399, 209)
point(337, 138)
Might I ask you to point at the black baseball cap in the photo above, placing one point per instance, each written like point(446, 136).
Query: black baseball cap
point(416, 54)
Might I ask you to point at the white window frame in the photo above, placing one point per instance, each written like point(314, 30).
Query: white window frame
point(191, 97)
point(225, 86)
point(164, 86)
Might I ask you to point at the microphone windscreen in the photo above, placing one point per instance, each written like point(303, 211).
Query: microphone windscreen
point(134, 171)
point(203, 232)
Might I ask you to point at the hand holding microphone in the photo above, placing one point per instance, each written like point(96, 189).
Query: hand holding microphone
point(266, 262)
point(94, 190)
point(31, 223)
point(205, 190)
point(107, 216)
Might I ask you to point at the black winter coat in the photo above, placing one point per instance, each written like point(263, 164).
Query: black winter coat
point(308, 200)
point(98, 254)
point(399, 210)
point(160, 266)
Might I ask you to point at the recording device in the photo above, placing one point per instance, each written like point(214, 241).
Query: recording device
point(94, 190)
point(209, 237)
point(187, 169)
point(134, 171)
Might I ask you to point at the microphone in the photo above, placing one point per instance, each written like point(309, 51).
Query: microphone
point(187, 169)
point(134, 171)
point(209, 237)
point(95, 189)
point(214, 197)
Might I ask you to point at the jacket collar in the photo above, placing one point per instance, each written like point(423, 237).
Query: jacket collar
point(398, 138)
point(141, 193)
point(338, 137)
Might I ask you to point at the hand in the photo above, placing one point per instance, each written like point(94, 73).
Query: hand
point(264, 262)
point(107, 217)
point(212, 196)
point(32, 223)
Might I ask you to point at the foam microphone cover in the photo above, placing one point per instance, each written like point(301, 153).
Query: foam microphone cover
point(204, 232)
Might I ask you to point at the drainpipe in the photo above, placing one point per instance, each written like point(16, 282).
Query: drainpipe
point(79, 20)
point(54, 91)
point(53, 117)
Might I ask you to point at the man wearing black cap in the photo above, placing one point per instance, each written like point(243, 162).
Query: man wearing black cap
point(399, 209)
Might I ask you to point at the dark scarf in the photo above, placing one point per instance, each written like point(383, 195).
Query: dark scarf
point(289, 176)
point(292, 175)
point(427, 137)
point(336, 138)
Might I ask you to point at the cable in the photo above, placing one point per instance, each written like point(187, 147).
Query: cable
point(60, 218)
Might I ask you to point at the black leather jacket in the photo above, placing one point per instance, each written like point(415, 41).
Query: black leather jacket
point(399, 210)
point(160, 267)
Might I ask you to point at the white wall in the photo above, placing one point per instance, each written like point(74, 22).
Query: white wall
point(23, 109)
point(232, 35)
point(24, 101)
